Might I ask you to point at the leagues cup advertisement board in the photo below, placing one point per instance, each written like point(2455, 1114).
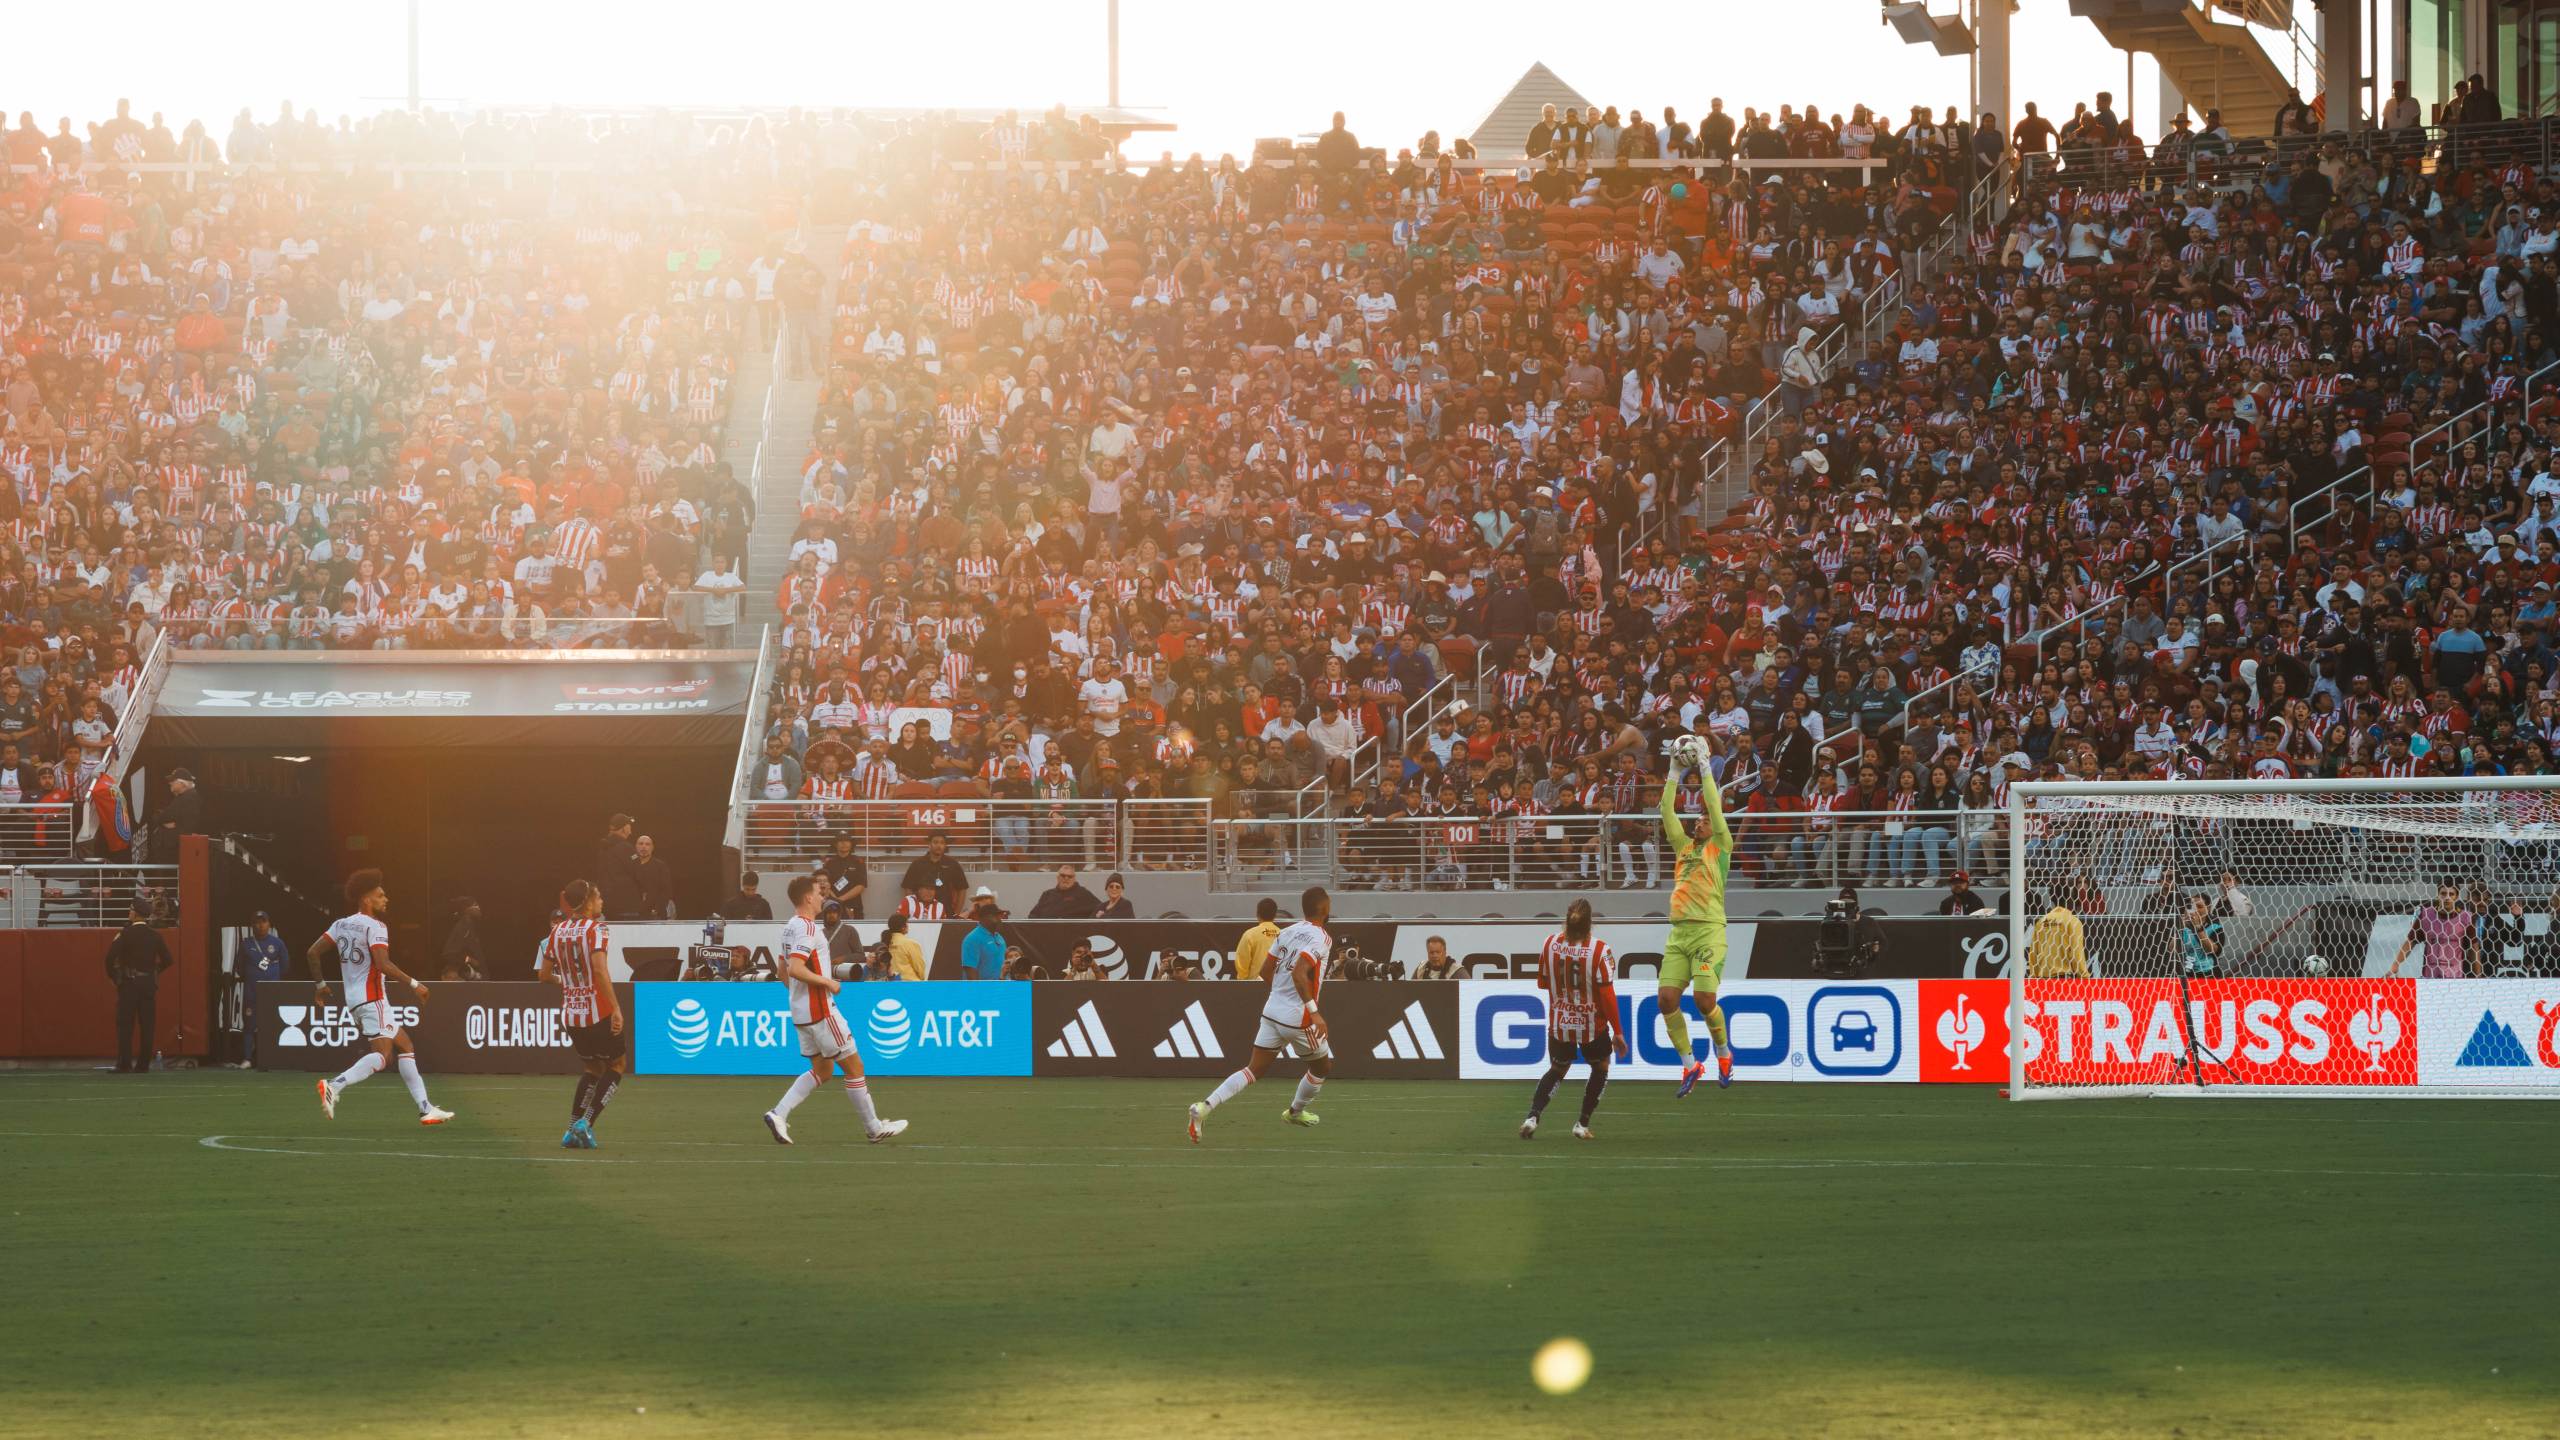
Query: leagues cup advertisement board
point(490, 1027)
point(929, 1027)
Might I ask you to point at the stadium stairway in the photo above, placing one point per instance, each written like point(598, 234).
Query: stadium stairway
point(2214, 65)
point(770, 452)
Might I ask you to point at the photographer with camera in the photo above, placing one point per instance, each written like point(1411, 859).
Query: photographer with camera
point(1848, 941)
point(1349, 964)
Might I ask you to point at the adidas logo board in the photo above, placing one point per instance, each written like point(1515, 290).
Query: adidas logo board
point(1410, 1038)
point(1191, 1038)
point(1084, 1038)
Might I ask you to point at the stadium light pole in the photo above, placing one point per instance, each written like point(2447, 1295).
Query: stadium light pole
point(413, 57)
point(1114, 42)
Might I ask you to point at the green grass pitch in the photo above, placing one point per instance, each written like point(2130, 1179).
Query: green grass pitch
point(1052, 1257)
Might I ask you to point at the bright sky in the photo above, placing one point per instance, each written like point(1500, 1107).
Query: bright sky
point(1226, 71)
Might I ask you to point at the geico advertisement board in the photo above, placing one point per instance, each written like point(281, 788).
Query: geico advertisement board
point(914, 1028)
point(484, 1026)
point(657, 947)
point(2489, 1032)
point(1781, 1030)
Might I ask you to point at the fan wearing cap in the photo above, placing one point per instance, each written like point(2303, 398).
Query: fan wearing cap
point(982, 949)
point(1961, 898)
point(183, 815)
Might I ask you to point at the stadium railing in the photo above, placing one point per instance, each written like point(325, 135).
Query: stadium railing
point(1000, 835)
point(86, 897)
point(1788, 849)
point(2529, 142)
point(34, 832)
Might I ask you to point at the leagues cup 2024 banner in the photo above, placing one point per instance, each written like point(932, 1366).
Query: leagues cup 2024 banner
point(494, 1027)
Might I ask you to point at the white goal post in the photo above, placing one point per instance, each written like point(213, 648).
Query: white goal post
point(2288, 938)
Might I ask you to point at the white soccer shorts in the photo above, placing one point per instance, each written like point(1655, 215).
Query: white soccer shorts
point(828, 1038)
point(374, 1020)
point(1291, 1040)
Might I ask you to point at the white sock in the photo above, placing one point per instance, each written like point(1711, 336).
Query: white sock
point(1229, 1088)
point(801, 1089)
point(1308, 1085)
point(416, 1082)
point(858, 1091)
point(366, 1064)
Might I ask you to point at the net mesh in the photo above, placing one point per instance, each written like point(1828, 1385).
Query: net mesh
point(2186, 938)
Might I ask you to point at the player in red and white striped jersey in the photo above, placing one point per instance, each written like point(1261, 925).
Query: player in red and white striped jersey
point(826, 1039)
point(574, 958)
point(1580, 975)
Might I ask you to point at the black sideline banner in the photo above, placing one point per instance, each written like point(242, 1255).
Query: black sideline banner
point(487, 1027)
point(1380, 1029)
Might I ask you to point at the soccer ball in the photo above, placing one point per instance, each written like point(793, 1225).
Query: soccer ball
point(1689, 752)
point(2314, 966)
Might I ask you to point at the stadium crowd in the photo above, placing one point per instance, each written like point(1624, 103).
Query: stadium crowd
point(1354, 482)
point(1190, 482)
point(332, 405)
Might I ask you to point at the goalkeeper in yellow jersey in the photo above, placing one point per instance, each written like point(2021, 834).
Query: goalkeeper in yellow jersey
point(1695, 953)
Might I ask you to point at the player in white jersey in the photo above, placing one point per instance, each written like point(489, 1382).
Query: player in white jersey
point(362, 945)
point(574, 957)
point(1291, 1023)
point(825, 1039)
point(1580, 975)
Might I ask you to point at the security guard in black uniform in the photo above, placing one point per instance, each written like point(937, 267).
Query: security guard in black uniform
point(135, 960)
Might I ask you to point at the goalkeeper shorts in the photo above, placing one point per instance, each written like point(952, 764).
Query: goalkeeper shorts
point(1694, 955)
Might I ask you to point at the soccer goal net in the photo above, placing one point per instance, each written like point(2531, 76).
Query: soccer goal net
point(2343, 937)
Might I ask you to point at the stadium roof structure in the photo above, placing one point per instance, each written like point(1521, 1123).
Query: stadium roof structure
point(1503, 134)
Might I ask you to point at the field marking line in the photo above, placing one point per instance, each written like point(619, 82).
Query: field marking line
point(1464, 1102)
point(1475, 1161)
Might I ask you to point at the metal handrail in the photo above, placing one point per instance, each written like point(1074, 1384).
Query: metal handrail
point(1721, 483)
point(149, 680)
point(1913, 703)
point(982, 832)
point(2169, 576)
point(1758, 419)
point(750, 740)
point(2079, 619)
point(1791, 847)
point(1405, 728)
point(248, 859)
point(86, 896)
point(2293, 512)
